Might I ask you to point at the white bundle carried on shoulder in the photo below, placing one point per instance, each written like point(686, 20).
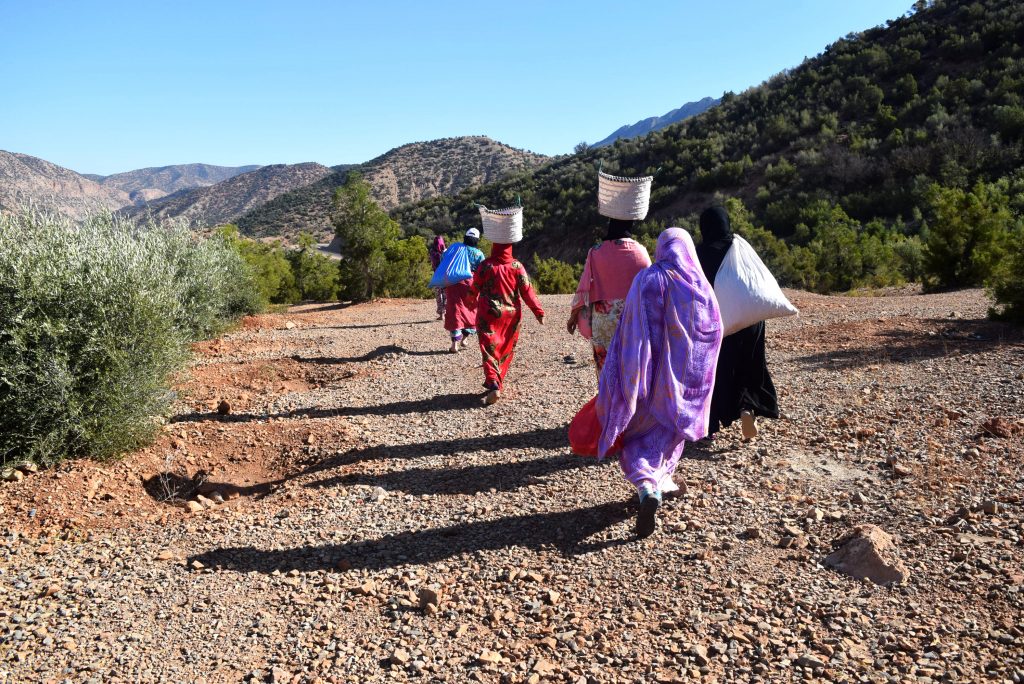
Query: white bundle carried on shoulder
point(746, 290)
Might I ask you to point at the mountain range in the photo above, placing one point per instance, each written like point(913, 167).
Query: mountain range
point(30, 181)
point(225, 201)
point(405, 174)
point(656, 123)
point(146, 185)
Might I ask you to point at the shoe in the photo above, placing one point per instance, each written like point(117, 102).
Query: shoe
point(646, 519)
point(747, 423)
point(492, 397)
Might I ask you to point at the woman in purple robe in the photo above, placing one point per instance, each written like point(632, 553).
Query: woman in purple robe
point(655, 388)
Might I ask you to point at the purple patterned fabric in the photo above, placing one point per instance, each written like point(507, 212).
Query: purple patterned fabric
point(655, 388)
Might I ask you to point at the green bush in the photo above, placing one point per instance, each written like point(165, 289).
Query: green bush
point(1006, 284)
point(269, 265)
point(94, 321)
point(551, 276)
point(966, 233)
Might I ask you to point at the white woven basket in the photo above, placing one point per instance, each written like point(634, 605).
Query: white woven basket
point(504, 226)
point(627, 199)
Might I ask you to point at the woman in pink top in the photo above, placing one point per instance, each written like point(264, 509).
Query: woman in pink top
point(607, 275)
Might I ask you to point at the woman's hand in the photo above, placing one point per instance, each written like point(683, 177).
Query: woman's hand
point(540, 319)
point(573, 321)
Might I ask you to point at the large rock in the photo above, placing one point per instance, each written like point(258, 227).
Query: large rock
point(869, 553)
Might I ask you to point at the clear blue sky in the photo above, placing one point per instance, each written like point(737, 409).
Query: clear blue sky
point(102, 87)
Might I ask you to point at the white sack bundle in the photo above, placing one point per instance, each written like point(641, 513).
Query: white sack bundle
point(746, 290)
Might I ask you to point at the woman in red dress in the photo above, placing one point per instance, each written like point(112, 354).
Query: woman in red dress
point(502, 285)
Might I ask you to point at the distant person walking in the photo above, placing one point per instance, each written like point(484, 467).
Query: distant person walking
point(502, 285)
point(460, 302)
point(434, 251)
point(611, 265)
point(743, 386)
point(655, 388)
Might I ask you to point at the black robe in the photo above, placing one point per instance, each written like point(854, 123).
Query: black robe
point(742, 381)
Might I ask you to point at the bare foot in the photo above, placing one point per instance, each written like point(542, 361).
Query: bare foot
point(492, 397)
point(747, 423)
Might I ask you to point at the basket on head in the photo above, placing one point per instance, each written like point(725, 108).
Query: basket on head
point(626, 199)
point(504, 226)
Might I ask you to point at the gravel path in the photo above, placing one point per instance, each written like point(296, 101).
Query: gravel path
point(379, 524)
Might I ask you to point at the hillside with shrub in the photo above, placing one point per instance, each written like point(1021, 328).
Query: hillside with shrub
point(844, 169)
point(405, 174)
point(28, 182)
point(225, 201)
point(151, 183)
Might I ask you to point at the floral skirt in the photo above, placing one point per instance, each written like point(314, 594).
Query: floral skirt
point(604, 319)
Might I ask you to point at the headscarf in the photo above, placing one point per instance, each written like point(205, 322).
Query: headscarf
point(661, 361)
point(501, 253)
point(618, 229)
point(438, 245)
point(716, 239)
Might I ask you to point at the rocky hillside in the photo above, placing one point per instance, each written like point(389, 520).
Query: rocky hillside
point(656, 123)
point(405, 174)
point(30, 181)
point(226, 201)
point(146, 185)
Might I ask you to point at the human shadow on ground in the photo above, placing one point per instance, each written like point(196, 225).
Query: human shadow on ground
point(949, 338)
point(372, 325)
point(540, 438)
point(502, 477)
point(369, 356)
point(441, 402)
point(566, 531)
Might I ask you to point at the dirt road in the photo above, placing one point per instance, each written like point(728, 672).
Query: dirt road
point(362, 479)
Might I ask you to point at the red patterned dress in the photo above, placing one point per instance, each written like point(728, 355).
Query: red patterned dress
point(502, 285)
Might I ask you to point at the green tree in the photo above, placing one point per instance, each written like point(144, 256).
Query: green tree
point(552, 276)
point(316, 275)
point(365, 231)
point(966, 234)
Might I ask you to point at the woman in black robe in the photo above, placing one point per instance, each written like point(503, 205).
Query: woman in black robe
point(743, 387)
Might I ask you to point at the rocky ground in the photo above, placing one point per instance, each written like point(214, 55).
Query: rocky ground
point(333, 503)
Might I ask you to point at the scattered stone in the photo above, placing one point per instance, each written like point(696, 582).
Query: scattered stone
point(429, 596)
point(28, 468)
point(204, 502)
point(488, 657)
point(869, 553)
point(223, 408)
point(12, 475)
point(544, 667)
point(280, 676)
point(752, 533)
point(990, 507)
point(367, 588)
point(1001, 427)
point(289, 325)
point(50, 591)
point(400, 657)
point(194, 507)
point(165, 555)
point(699, 653)
point(196, 565)
point(810, 661)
